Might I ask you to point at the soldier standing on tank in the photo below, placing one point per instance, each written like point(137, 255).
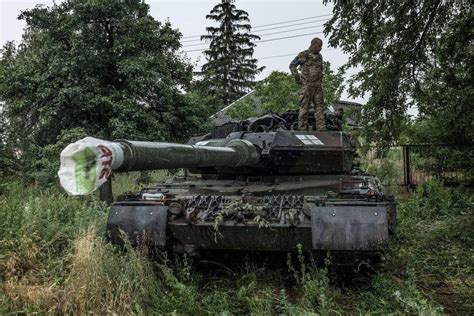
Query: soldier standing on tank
point(310, 78)
point(339, 118)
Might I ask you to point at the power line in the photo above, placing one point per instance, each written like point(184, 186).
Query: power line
point(263, 41)
point(267, 29)
point(298, 29)
point(311, 17)
point(294, 54)
point(278, 23)
point(295, 24)
point(287, 55)
point(276, 56)
point(286, 37)
point(200, 44)
point(195, 50)
point(287, 31)
point(189, 41)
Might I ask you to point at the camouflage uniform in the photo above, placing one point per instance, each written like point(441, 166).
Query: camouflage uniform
point(334, 122)
point(310, 78)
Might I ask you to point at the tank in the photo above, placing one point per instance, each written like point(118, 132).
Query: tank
point(256, 185)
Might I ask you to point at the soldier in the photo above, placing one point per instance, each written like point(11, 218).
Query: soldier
point(339, 118)
point(310, 78)
point(334, 121)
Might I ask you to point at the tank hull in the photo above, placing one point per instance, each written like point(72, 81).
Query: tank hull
point(314, 213)
point(365, 229)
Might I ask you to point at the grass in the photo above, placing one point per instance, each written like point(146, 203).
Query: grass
point(54, 259)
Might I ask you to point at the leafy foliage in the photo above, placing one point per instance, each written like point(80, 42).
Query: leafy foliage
point(332, 83)
point(278, 92)
point(106, 67)
point(243, 109)
point(230, 68)
point(387, 169)
point(413, 54)
point(7, 152)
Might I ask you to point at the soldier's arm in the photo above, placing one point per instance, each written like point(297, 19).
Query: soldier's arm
point(320, 66)
point(294, 68)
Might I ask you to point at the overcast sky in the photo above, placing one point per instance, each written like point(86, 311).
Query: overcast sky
point(189, 17)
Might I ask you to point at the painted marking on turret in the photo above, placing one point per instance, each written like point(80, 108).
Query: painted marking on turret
point(202, 143)
point(309, 140)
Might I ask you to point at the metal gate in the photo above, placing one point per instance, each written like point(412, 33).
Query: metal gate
point(414, 164)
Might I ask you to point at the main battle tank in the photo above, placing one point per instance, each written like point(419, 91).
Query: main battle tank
point(255, 185)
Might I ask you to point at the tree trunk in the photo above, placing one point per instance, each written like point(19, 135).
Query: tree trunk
point(105, 191)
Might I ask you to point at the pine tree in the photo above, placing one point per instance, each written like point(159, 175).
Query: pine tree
point(230, 69)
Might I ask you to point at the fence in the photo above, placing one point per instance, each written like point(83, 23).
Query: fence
point(412, 164)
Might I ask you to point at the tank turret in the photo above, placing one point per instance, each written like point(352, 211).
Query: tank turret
point(240, 153)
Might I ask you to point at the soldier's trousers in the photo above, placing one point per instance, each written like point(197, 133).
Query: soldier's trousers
point(311, 96)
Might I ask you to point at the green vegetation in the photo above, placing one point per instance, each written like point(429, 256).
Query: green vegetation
point(412, 54)
point(388, 170)
point(100, 68)
point(54, 258)
point(230, 67)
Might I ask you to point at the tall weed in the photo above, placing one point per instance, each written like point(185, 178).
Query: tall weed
point(54, 259)
point(103, 280)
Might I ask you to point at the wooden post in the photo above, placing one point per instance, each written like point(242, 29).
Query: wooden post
point(407, 181)
point(105, 191)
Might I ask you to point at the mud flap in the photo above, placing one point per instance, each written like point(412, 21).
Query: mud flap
point(140, 224)
point(349, 227)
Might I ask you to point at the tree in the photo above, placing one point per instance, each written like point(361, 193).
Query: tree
point(279, 93)
point(230, 68)
point(101, 68)
point(243, 109)
point(7, 153)
point(413, 54)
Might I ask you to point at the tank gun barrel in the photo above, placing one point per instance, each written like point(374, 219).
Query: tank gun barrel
point(87, 163)
point(152, 156)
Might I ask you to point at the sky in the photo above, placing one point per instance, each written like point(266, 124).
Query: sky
point(189, 17)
